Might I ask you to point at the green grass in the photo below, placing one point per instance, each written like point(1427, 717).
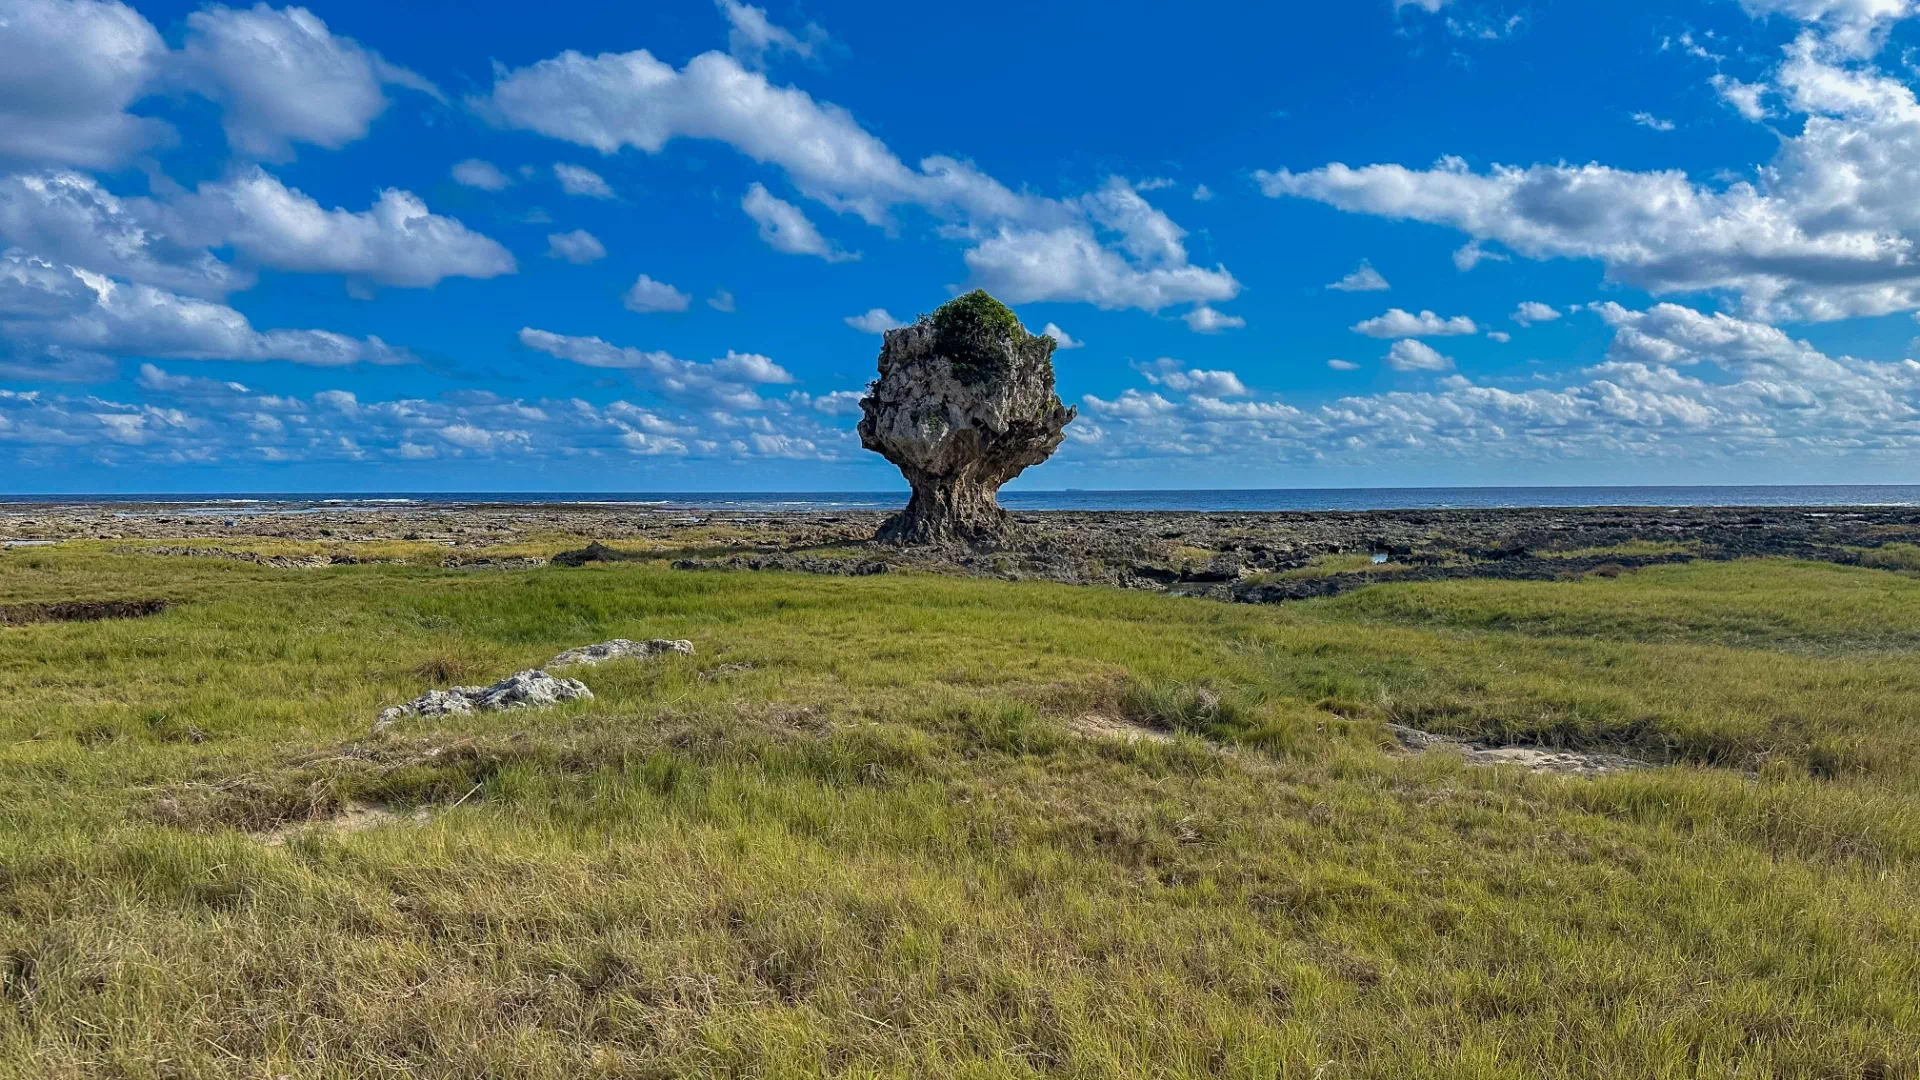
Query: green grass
point(857, 835)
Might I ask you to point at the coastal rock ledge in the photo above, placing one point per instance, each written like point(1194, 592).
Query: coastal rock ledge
point(965, 402)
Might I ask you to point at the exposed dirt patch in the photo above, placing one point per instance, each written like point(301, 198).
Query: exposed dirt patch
point(80, 611)
point(1532, 758)
point(352, 818)
point(1098, 726)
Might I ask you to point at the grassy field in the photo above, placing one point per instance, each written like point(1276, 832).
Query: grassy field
point(858, 834)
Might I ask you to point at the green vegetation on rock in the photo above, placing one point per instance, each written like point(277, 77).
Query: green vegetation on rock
point(974, 331)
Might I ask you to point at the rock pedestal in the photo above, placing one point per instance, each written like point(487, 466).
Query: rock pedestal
point(965, 402)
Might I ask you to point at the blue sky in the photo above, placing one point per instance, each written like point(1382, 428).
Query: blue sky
point(430, 246)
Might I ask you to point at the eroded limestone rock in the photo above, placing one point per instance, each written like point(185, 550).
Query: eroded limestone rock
point(965, 402)
point(521, 690)
point(619, 648)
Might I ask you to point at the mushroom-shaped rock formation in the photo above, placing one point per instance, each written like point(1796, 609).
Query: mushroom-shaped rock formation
point(964, 403)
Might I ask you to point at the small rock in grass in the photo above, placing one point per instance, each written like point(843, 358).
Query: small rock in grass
point(619, 648)
point(521, 690)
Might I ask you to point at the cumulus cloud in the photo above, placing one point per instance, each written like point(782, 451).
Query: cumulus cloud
point(1677, 384)
point(875, 321)
point(1746, 98)
point(1061, 338)
point(1471, 254)
point(1648, 120)
point(578, 247)
point(1205, 320)
point(579, 180)
point(752, 38)
point(475, 173)
point(68, 217)
point(721, 300)
point(1363, 279)
point(785, 228)
point(1397, 323)
point(1857, 27)
point(1827, 231)
point(1108, 247)
point(837, 403)
point(184, 421)
point(1174, 375)
point(727, 381)
point(648, 296)
point(397, 241)
point(48, 308)
point(1413, 355)
point(1533, 311)
point(1500, 336)
point(282, 77)
point(73, 67)
point(1343, 365)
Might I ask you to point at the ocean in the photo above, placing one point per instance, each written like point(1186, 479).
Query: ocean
point(1227, 500)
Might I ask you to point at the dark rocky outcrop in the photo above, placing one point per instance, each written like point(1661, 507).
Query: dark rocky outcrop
point(598, 552)
point(965, 402)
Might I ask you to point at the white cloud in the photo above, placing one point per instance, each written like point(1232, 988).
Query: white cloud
point(721, 300)
point(1827, 231)
point(1202, 193)
point(1343, 365)
point(1174, 375)
point(1857, 27)
point(837, 403)
point(475, 173)
point(1363, 279)
point(1533, 311)
point(185, 421)
point(1772, 398)
point(875, 321)
point(397, 241)
point(282, 77)
point(1500, 336)
point(68, 217)
point(72, 68)
point(1746, 98)
point(1413, 355)
point(752, 37)
point(1108, 247)
point(784, 228)
point(1061, 338)
point(578, 247)
point(648, 296)
point(1471, 254)
point(1424, 5)
point(1397, 323)
point(1131, 404)
point(1677, 384)
point(50, 307)
point(579, 180)
point(1204, 320)
point(1148, 269)
point(1648, 120)
point(728, 381)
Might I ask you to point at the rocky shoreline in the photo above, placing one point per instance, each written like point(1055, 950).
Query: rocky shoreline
point(1248, 557)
